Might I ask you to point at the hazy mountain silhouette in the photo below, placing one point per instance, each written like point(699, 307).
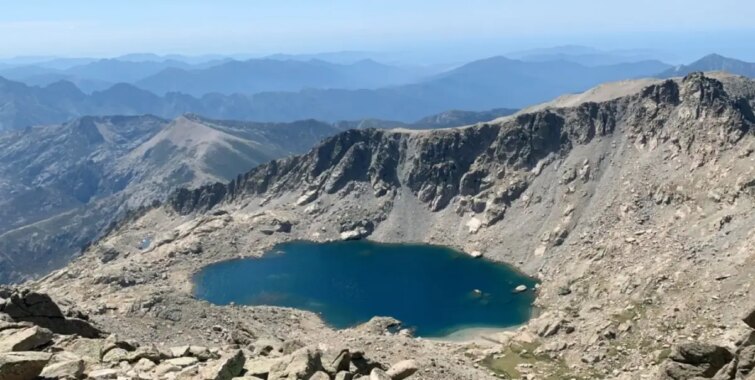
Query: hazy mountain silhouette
point(263, 75)
point(713, 62)
point(481, 85)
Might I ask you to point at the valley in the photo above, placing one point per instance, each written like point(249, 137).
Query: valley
point(425, 190)
point(633, 212)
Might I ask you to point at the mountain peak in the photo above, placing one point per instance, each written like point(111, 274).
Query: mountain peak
point(713, 62)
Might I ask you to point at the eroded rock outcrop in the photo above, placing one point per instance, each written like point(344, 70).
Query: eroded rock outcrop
point(700, 360)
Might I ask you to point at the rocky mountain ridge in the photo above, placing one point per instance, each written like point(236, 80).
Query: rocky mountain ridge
point(63, 185)
point(634, 212)
point(466, 162)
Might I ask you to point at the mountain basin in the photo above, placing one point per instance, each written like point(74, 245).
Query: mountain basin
point(433, 290)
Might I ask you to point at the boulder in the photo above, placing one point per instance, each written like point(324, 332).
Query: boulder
point(260, 366)
point(701, 353)
point(672, 370)
point(25, 340)
point(307, 197)
point(25, 365)
point(115, 355)
point(144, 365)
point(267, 347)
point(103, 374)
point(320, 375)
point(163, 369)
point(402, 369)
point(183, 362)
point(88, 349)
point(379, 374)
point(301, 364)
point(65, 369)
point(226, 368)
point(344, 375)
point(336, 361)
point(690, 360)
point(363, 365)
point(179, 351)
point(354, 234)
point(148, 351)
point(202, 353)
point(746, 364)
point(749, 318)
point(40, 310)
point(32, 304)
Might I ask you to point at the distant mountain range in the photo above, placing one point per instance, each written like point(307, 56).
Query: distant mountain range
point(270, 75)
point(225, 76)
point(713, 62)
point(583, 55)
point(332, 92)
point(481, 85)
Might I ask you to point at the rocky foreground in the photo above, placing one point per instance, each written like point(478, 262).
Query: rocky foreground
point(39, 341)
point(634, 210)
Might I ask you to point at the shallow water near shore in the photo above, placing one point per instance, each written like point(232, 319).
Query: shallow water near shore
point(434, 290)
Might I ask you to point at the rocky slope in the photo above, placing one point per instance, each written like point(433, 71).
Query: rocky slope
point(634, 211)
point(38, 340)
point(62, 185)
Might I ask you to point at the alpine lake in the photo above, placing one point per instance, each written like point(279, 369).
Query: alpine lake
point(433, 290)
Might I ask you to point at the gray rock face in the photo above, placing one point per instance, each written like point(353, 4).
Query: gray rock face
point(490, 165)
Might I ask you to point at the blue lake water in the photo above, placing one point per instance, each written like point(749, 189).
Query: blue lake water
point(429, 288)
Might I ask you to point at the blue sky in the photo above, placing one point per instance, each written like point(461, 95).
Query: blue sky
point(482, 27)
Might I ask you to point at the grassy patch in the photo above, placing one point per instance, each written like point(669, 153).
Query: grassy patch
point(524, 353)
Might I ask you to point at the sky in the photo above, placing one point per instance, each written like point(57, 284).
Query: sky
point(437, 29)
